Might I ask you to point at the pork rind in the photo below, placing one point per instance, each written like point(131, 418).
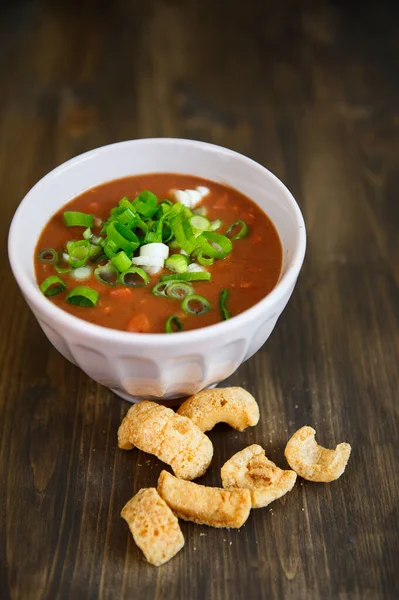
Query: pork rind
point(204, 505)
point(173, 439)
point(250, 469)
point(154, 527)
point(234, 406)
point(313, 462)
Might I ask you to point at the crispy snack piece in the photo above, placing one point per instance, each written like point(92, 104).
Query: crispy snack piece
point(313, 462)
point(204, 505)
point(234, 406)
point(154, 527)
point(250, 469)
point(175, 440)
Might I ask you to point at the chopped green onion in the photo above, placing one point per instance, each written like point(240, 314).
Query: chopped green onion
point(167, 233)
point(195, 305)
point(176, 209)
point(93, 239)
point(163, 208)
point(142, 226)
point(109, 250)
point(62, 270)
point(134, 277)
point(201, 211)
point(95, 251)
point(173, 324)
point(126, 216)
point(243, 231)
point(125, 203)
point(178, 263)
point(179, 289)
point(83, 296)
point(79, 253)
point(48, 255)
point(160, 289)
point(78, 219)
point(215, 225)
point(52, 285)
point(214, 244)
point(199, 223)
point(146, 204)
point(205, 260)
point(184, 234)
point(106, 274)
point(121, 261)
point(196, 276)
point(123, 237)
point(225, 313)
point(99, 259)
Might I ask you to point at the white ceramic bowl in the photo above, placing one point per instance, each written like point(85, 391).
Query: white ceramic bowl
point(157, 366)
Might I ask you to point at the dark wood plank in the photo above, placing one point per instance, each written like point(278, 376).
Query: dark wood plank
point(310, 90)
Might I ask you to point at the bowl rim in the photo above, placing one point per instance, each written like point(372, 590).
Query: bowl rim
point(94, 331)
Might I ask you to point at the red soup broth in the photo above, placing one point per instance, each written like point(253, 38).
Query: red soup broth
point(249, 272)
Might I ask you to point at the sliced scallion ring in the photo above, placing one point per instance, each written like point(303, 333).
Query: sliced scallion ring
point(205, 260)
point(195, 276)
point(225, 313)
point(83, 296)
point(173, 325)
point(95, 251)
point(178, 263)
point(52, 285)
point(146, 204)
point(48, 255)
point(160, 289)
point(179, 290)
point(63, 269)
point(121, 261)
point(184, 234)
point(139, 225)
point(106, 274)
point(122, 236)
point(79, 253)
point(214, 244)
point(125, 203)
point(201, 211)
point(237, 235)
point(93, 239)
point(215, 225)
point(134, 277)
point(78, 219)
point(199, 223)
point(109, 250)
point(195, 305)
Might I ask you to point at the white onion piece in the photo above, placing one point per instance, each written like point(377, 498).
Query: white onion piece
point(81, 273)
point(190, 198)
point(195, 197)
point(183, 252)
point(204, 191)
point(150, 264)
point(194, 268)
point(156, 250)
point(182, 197)
point(65, 256)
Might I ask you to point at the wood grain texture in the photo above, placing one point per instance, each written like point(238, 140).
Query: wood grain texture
point(309, 89)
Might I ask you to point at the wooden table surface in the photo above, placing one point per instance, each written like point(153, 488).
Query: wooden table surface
point(309, 89)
